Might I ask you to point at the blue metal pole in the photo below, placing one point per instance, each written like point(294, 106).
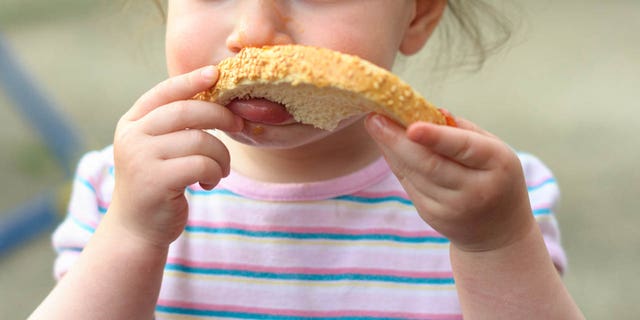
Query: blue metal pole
point(38, 214)
point(42, 113)
point(27, 221)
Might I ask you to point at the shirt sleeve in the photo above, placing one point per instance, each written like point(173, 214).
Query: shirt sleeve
point(90, 194)
point(544, 196)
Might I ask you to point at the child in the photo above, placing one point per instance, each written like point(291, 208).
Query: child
point(297, 222)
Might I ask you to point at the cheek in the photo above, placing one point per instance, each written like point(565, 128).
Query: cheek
point(378, 45)
point(190, 45)
point(181, 53)
point(378, 51)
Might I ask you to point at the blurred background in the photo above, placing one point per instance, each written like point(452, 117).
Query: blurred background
point(565, 89)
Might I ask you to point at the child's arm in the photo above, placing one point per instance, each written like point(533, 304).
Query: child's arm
point(469, 186)
point(119, 273)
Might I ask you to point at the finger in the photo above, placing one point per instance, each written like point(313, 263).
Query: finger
point(463, 123)
point(192, 114)
point(469, 148)
point(191, 142)
point(181, 87)
point(185, 171)
point(411, 161)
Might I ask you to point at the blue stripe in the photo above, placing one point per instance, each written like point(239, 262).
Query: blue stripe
point(212, 192)
point(86, 183)
point(541, 184)
point(543, 212)
point(82, 224)
point(316, 236)
point(74, 249)
point(351, 198)
point(247, 315)
point(306, 276)
point(374, 200)
point(341, 198)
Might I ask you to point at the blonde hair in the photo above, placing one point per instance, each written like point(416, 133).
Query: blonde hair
point(470, 32)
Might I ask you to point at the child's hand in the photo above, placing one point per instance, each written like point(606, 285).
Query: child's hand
point(466, 183)
point(160, 148)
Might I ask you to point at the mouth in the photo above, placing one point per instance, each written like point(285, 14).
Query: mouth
point(261, 111)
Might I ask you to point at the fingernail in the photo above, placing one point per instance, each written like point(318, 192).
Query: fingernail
point(206, 186)
point(208, 73)
point(376, 125)
point(377, 121)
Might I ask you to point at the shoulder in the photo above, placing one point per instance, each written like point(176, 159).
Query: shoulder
point(99, 157)
point(536, 172)
point(96, 162)
point(544, 195)
point(544, 192)
point(95, 172)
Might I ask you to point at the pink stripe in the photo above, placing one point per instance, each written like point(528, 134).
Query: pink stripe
point(369, 195)
point(91, 224)
point(303, 215)
point(302, 313)
point(542, 206)
point(95, 187)
point(92, 183)
point(368, 176)
point(328, 230)
point(539, 182)
point(377, 195)
point(83, 213)
point(305, 254)
point(296, 295)
point(306, 270)
point(103, 203)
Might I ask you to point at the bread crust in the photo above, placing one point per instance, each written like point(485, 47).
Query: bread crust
point(273, 72)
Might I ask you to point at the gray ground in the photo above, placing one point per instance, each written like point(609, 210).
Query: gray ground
point(564, 90)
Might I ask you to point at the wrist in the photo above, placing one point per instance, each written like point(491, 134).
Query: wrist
point(145, 227)
point(497, 232)
point(119, 235)
point(515, 281)
point(512, 264)
point(503, 246)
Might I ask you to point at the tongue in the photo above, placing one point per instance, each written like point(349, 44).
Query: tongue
point(260, 110)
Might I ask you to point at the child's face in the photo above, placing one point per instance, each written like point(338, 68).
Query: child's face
point(203, 32)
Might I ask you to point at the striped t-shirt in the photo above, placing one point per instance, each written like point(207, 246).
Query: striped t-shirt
point(347, 248)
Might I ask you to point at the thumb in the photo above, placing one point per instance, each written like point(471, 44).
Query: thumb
point(393, 143)
point(383, 130)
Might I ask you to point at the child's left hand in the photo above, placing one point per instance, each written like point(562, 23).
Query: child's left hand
point(465, 182)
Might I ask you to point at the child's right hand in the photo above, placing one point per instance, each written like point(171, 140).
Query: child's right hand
point(160, 149)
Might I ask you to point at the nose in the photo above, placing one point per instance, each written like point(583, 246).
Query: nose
point(259, 23)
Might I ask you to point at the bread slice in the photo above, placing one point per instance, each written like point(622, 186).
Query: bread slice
point(319, 86)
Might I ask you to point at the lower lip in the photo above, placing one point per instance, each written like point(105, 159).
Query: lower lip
point(261, 111)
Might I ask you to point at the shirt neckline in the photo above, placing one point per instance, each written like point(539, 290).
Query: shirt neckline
point(309, 191)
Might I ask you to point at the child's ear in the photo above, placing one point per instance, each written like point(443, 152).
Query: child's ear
point(427, 16)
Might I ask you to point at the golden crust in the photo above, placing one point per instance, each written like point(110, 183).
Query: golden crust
point(296, 65)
